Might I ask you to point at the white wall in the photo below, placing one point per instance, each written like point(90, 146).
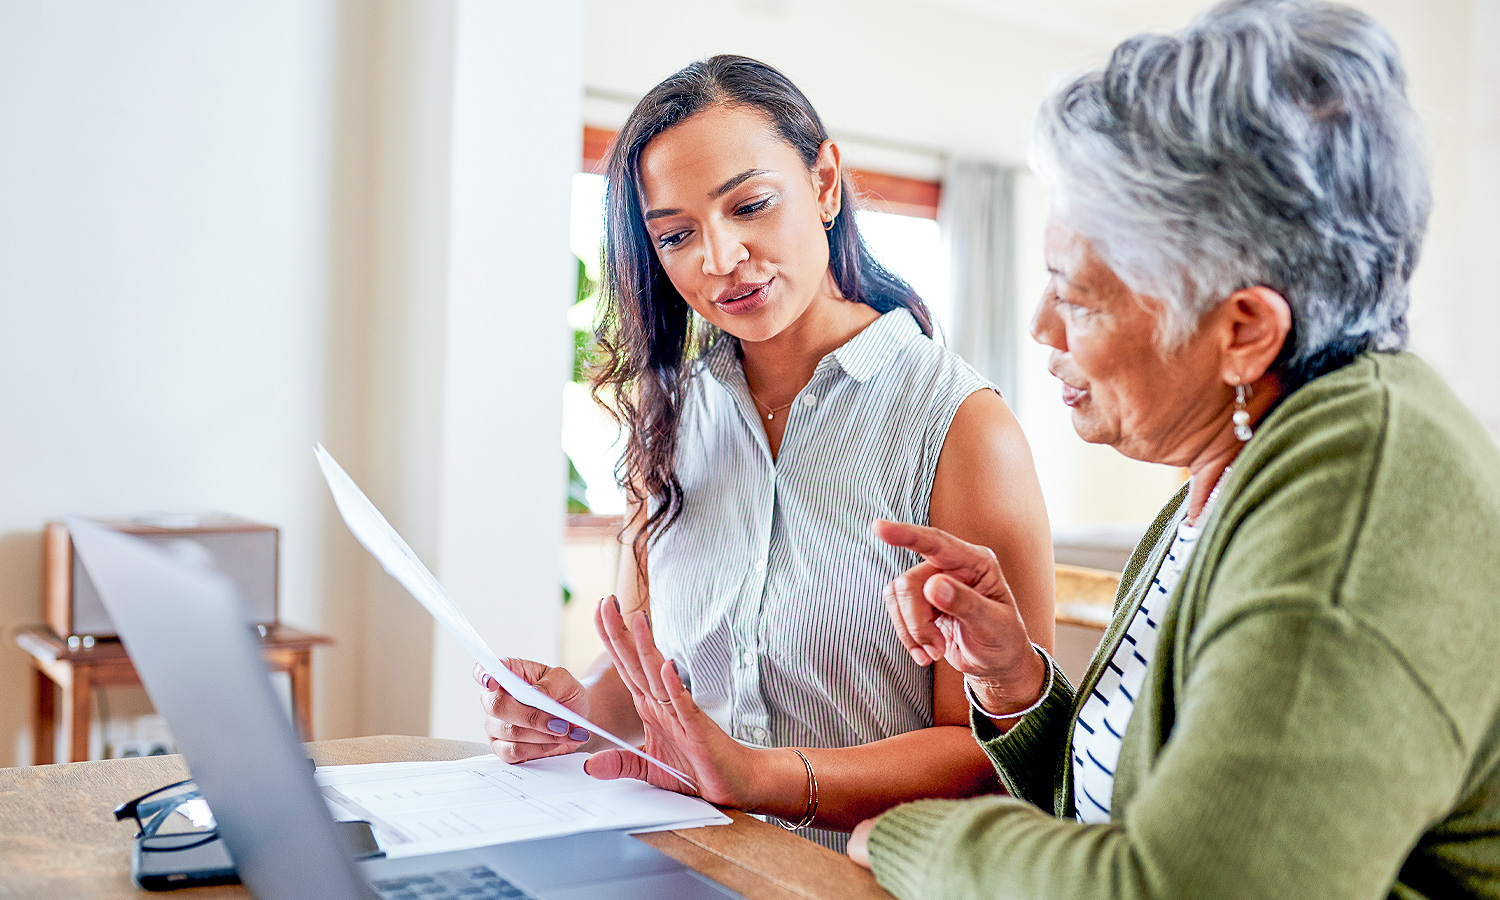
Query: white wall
point(164, 231)
point(228, 231)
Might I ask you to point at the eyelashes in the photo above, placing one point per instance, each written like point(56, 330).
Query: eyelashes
point(744, 211)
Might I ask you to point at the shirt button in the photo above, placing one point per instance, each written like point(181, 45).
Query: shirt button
point(747, 657)
point(810, 400)
point(760, 565)
point(759, 734)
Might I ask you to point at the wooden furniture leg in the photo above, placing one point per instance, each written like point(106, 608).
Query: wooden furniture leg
point(300, 673)
point(44, 724)
point(80, 713)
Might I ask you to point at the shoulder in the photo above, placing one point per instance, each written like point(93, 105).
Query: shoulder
point(1366, 498)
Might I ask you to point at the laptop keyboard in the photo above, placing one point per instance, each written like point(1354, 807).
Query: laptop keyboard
point(473, 883)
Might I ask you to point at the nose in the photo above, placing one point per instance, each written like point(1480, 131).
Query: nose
point(1047, 325)
point(722, 250)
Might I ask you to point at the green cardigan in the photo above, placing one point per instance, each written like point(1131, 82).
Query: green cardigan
point(1321, 718)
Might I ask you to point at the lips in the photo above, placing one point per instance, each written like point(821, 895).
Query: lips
point(744, 297)
point(1070, 395)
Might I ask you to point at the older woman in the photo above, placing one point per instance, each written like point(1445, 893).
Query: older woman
point(1298, 694)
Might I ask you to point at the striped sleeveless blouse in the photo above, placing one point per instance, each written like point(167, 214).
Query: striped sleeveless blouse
point(767, 590)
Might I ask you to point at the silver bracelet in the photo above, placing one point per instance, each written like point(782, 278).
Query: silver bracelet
point(1046, 691)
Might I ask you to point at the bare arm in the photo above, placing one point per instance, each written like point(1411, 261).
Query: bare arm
point(853, 782)
point(986, 492)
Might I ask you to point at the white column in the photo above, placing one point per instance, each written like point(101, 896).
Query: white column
point(517, 90)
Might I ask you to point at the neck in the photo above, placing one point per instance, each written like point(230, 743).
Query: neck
point(777, 368)
point(1206, 477)
point(1208, 467)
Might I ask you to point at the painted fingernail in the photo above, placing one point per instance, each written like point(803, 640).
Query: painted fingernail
point(648, 619)
point(616, 601)
point(490, 684)
point(578, 734)
point(557, 726)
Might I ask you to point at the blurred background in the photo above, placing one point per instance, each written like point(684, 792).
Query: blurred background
point(231, 230)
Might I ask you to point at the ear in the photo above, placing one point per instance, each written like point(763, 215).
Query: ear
point(828, 181)
point(1257, 322)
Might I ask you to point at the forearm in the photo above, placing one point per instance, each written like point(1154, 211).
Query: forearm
point(856, 783)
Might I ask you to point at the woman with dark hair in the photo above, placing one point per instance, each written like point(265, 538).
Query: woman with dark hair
point(781, 390)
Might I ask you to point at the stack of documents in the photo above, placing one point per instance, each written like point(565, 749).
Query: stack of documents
point(417, 808)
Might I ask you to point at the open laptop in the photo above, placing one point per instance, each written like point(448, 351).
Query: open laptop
point(193, 646)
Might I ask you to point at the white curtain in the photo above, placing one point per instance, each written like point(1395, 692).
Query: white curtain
point(976, 214)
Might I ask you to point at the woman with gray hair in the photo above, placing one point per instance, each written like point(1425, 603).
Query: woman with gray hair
point(1299, 694)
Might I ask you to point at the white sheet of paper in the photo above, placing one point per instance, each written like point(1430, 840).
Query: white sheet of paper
point(372, 530)
point(417, 808)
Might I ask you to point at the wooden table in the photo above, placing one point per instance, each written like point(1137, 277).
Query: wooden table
point(77, 671)
point(59, 838)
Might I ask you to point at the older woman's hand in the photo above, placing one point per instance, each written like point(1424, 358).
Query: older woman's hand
point(956, 606)
point(859, 843)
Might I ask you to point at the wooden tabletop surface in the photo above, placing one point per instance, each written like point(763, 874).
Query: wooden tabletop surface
point(59, 838)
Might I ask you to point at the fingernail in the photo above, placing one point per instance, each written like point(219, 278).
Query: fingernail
point(648, 619)
point(490, 684)
point(920, 657)
point(942, 589)
point(616, 601)
point(557, 726)
point(578, 734)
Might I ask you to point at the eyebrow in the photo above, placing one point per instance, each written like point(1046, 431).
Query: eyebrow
point(717, 192)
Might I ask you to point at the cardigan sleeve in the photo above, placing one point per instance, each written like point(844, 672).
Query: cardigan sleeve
point(1026, 757)
point(1306, 759)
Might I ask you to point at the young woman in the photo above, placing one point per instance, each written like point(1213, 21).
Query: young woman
point(781, 391)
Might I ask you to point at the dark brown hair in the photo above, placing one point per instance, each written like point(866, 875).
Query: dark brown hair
point(648, 335)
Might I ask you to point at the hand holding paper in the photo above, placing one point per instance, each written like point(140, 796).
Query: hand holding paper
point(372, 530)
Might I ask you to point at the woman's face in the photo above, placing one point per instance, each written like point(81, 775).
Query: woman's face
point(1122, 389)
point(737, 218)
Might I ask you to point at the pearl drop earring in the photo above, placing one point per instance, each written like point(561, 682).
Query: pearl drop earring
point(1241, 415)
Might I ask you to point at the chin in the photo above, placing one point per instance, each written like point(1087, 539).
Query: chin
point(1092, 431)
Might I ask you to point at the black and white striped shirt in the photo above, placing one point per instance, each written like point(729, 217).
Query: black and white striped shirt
point(1106, 712)
point(767, 590)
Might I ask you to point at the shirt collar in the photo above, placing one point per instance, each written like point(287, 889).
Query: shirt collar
point(861, 358)
point(869, 351)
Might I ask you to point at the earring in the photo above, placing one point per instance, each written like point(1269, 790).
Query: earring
point(828, 222)
point(1241, 415)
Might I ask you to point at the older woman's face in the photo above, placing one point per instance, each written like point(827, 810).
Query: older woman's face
point(1122, 389)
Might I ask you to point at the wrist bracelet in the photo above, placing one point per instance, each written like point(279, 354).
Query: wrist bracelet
point(812, 797)
point(1046, 691)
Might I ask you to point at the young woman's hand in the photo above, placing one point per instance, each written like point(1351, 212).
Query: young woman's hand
point(677, 731)
point(518, 732)
point(956, 606)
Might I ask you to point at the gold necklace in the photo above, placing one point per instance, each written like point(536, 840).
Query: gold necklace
point(770, 413)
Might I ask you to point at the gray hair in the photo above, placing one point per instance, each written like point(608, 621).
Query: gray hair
point(1268, 143)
